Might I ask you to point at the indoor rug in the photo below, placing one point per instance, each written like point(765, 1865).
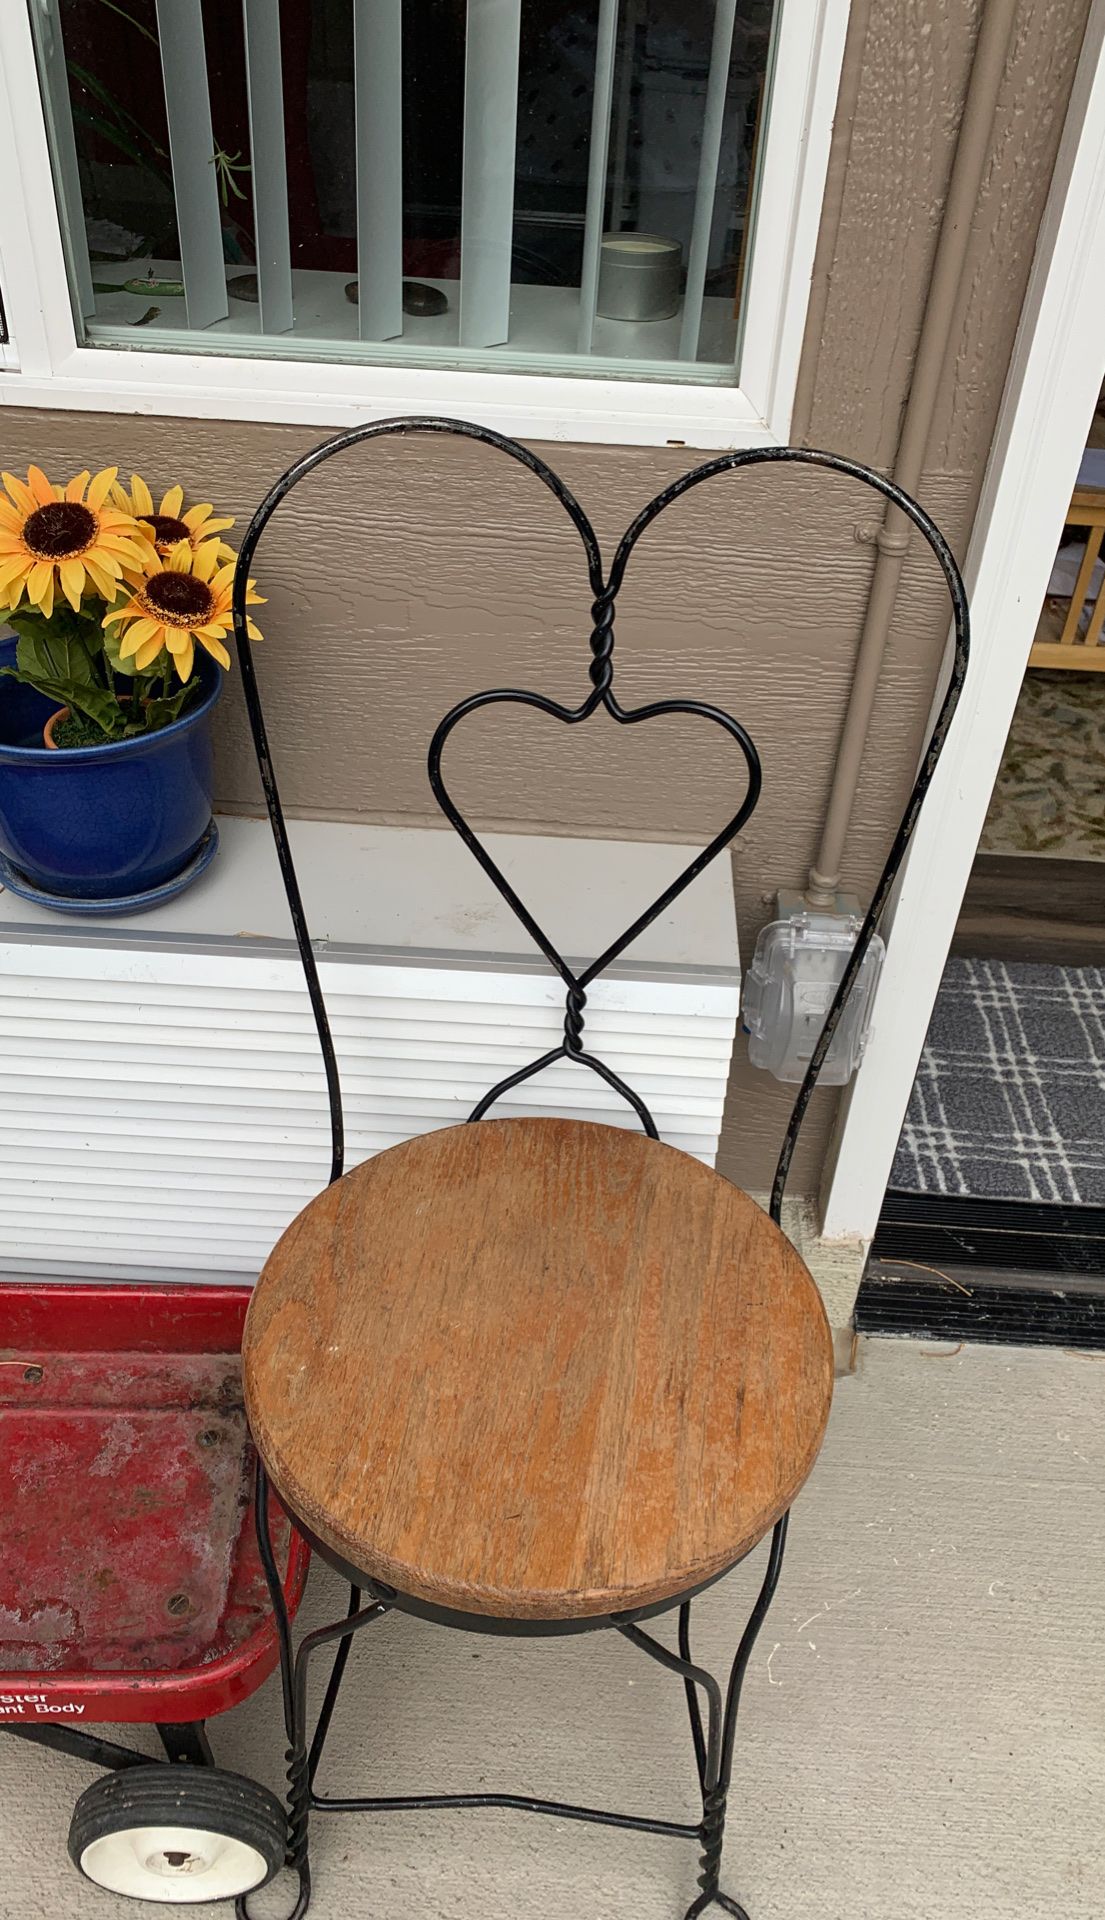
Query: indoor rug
point(1049, 797)
point(1009, 1100)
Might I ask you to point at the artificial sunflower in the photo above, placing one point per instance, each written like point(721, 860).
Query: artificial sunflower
point(168, 525)
point(68, 536)
point(175, 604)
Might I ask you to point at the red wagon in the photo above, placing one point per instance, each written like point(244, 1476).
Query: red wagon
point(131, 1587)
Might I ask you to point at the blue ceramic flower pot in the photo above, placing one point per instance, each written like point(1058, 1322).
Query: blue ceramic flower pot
point(96, 823)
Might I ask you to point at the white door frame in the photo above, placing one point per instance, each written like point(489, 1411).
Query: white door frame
point(1054, 377)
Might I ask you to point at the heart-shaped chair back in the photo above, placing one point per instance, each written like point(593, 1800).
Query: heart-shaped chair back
point(599, 702)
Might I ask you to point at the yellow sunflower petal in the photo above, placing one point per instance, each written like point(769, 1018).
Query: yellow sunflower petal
point(112, 588)
point(195, 516)
point(183, 661)
point(179, 558)
point(10, 542)
point(214, 647)
point(148, 652)
point(253, 598)
point(205, 527)
point(20, 493)
point(40, 587)
point(11, 595)
point(71, 575)
point(143, 630)
point(133, 638)
point(254, 630)
point(15, 567)
point(76, 486)
point(124, 548)
point(106, 567)
point(205, 559)
point(43, 492)
point(125, 612)
point(40, 578)
point(141, 497)
point(116, 547)
point(100, 488)
point(131, 546)
point(172, 503)
point(177, 638)
point(10, 517)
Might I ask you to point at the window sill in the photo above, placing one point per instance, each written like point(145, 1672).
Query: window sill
point(544, 323)
point(536, 407)
point(416, 895)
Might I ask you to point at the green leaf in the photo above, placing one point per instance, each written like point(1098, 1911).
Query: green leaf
point(100, 707)
point(163, 710)
point(123, 117)
point(60, 652)
point(28, 622)
point(64, 629)
point(115, 135)
point(131, 21)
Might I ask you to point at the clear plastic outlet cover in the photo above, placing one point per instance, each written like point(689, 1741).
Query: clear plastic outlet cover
point(795, 971)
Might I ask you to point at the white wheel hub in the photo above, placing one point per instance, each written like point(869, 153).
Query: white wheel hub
point(173, 1864)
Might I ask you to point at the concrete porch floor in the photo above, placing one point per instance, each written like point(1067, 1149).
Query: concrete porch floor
point(923, 1723)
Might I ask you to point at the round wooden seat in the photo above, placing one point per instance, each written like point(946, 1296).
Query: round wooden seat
point(536, 1369)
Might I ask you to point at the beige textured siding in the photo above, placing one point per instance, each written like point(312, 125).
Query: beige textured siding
point(417, 572)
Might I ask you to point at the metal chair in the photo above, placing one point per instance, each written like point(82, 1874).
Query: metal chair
point(536, 1376)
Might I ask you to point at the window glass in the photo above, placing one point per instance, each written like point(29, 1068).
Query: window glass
point(417, 180)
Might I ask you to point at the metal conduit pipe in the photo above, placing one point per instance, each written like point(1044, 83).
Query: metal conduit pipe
point(892, 539)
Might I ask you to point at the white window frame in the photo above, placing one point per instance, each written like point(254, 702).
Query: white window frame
point(47, 366)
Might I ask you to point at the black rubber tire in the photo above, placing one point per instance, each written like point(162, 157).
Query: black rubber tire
point(163, 1795)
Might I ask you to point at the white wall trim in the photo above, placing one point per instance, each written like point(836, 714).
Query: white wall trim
point(1054, 377)
point(173, 1056)
point(51, 369)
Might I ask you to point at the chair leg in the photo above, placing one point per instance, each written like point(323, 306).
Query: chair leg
point(715, 1797)
point(301, 1762)
point(714, 1747)
point(333, 1688)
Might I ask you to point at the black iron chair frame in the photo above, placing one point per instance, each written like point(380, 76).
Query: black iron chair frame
point(713, 1737)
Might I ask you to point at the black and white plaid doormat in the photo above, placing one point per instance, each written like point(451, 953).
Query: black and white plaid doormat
point(1009, 1100)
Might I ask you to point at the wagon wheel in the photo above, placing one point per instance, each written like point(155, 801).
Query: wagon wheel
point(178, 1834)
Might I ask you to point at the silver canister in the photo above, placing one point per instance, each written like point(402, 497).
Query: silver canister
point(639, 276)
